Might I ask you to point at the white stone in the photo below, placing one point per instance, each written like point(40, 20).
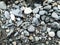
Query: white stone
point(58, 6)
point(49, 1)
point(12, 17)
point(51, 34)
point(2, 5)
point(27, 10)
point(54, 15)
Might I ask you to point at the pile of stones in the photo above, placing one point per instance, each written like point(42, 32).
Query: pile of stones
point(23, 24)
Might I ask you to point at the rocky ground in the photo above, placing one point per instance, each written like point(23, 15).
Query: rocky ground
point(23, 23)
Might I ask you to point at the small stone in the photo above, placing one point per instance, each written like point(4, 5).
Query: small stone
point(58, 34)
point(58, 6)
point(19, 23)
point(6, 13)
point(35, 21)
point(31, 37)
point(26, 33)
point(48, 29)
point(12, 17)
point(42, 23)
point(14, 43)
point(55, 8)
point(7, 30)
point(54, 15)
point(16, 34)
point(11, 31)
point(37, 38)
point(2, 5)
point(42, 12)
point(51, 34)
point(31, 28)
point(49, 1)
point(47, 7)
point(15, 11)
point(37, 16)
point(27, 10)
point(54, 4)
point(35, 10)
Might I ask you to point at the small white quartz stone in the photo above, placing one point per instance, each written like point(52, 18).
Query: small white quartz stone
point(27, 10)
point(58, 6)
point(51, 34)
point(12, 17)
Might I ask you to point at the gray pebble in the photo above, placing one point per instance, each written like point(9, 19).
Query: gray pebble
point(35, 21)
point(54, 15)
point(2, 5)
point(31, 28)
point(42, 12)
point(7, 15)
point(35, 10)
point(47, 7)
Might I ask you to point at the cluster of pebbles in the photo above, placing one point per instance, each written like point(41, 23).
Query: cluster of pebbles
point(22, 24)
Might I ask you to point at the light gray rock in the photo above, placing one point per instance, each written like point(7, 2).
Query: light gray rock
point(37, 16)
point(47, 7)
point(54, 15)
point(35, 10)
point(31, 28)
point(26, 33)
point(42, 12)
point(7, 15)
point(15, 11)
point(36, 38)
point(58, 34)
point(49, 1)
point(2, 5)
point(35, 21)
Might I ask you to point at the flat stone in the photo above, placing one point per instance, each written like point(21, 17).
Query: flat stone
point(35, 10)
point(49, 1)
point(27, 10)
point(42, 12)
point(15, 11)
point(31, 28)
point(54, 15)
point(6, 13)
point(2, 5)
point(47, 7)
